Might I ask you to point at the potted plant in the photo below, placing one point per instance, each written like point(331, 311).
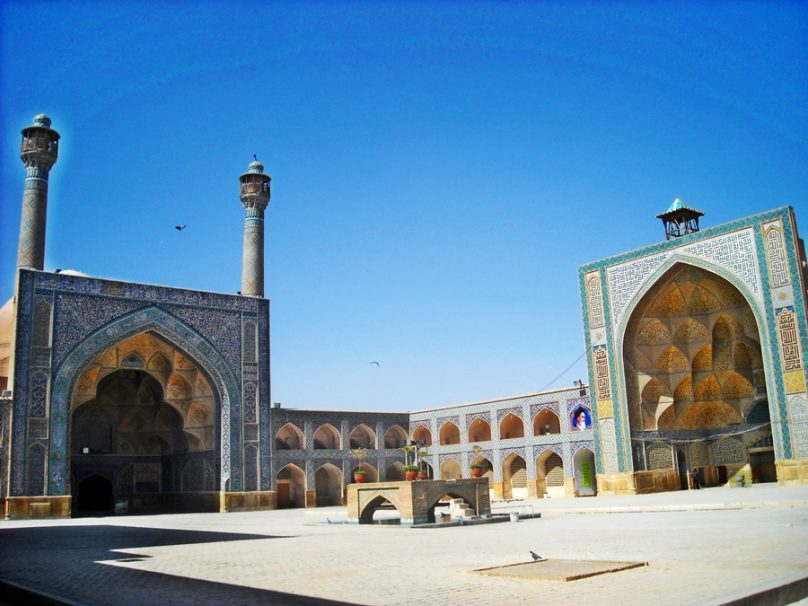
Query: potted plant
point(410, 469)
point(359, 474)
point(422, 471)
point(475, 468)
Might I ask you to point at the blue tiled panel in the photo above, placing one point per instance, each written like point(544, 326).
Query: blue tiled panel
point(764, 313)
point(91, 315)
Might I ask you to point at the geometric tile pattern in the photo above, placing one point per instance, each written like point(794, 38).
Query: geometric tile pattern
point(39, 394)
point(736, 252)
point(91, 315)
point(42, 321)
point(776, 254)
point(758, 256)
point(309, 459)
point(254, 192)
point(798, 417)
point(31, 251)
point(564, 403)
point(608, 446)
point(659, 456)
point(36, 469)
point(729, 451)
point(789, 339)
point(595, 300)
point(252, 261)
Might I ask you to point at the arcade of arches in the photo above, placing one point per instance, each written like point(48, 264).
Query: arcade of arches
point(143, 432)
point(695, 381)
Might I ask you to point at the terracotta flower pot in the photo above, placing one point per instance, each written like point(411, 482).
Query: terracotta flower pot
point(476, 472)
point(410, 475)
point(360, 478)
point(422, 475)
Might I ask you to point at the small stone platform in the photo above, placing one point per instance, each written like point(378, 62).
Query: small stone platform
point(559, 570)
point(416, 500)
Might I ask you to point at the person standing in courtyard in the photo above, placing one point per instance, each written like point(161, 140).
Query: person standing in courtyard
point(695, 478)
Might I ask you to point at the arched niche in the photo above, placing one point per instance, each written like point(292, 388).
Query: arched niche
point(327, 438)
point(95, 495)
point(704, 377)
point(449, 433)
point(328, 485)
point(550, 474)
point(186, 389)
point(128, 416)
point(514, 477)
point(289, 437)
point(546, 422)
point(511, 427)
point(585, 477)
point(290, 487)
point(395, 472)
point(479, 431)
point(362, 436)
point(380, 509)
point(422, 436)
point(395, 437)
point(450, 470)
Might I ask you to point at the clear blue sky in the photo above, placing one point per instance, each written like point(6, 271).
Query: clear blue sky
point(439, 172)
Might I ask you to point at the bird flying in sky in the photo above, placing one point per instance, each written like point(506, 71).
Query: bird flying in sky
point(376, 363)
point(180, 227)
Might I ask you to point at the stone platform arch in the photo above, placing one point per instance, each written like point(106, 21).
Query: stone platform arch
point(415, 501)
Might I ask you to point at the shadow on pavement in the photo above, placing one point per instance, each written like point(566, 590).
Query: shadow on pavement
point(63, 564)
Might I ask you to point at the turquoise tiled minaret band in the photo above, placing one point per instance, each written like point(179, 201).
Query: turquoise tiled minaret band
point(255, 194)
point(40, 146)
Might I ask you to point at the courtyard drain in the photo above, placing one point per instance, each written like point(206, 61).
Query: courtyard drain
point(558, 570)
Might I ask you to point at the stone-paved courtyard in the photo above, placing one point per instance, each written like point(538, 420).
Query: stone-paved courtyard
point(702, 547)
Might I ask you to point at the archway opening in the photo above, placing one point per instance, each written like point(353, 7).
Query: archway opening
point(362, 437)
point(514, 477)
point(511, 427)
point(380, 511)
point(695, 381)
point(395, 437)
point(450, 506)
point(479, 431)
point(328, 485)
point(585, 477)
point(289, 437)
point(143, 415)
point(550, 474)
point(545, 423)
point(327, 438)
point(449, 433)
point(422, 436)
point(395, 472)
point(136, 437)
point(95, 496)
point(291, 487)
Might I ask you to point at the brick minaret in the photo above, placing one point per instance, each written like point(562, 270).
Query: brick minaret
point(40, 146)
point(255, 197)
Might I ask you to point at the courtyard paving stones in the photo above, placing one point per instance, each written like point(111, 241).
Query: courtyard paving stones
point(714, 546)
